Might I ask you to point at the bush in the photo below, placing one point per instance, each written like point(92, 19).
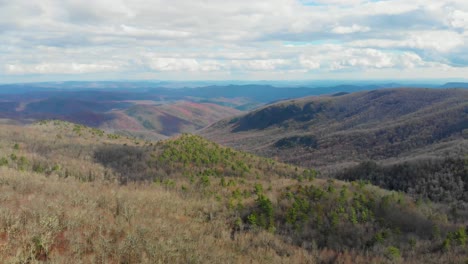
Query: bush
point(3, 162)
point(393, 253)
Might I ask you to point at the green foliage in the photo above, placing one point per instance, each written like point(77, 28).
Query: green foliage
point(263, 215)
point(439, 180)
point(39, 250)
point(22, 163)
point(393, 253)
point(252, 219)
point(458, 238)
point(380, 237)
point(38, 167)
point(56, 167)
point(97, 132)
point(78, 128)
point(350, 216)
point(236, 194)
point(187, 155)
point(3, 161)
point(299, 212)
point(205, 181)
point(446, 244)
point(258, 189)
point(310, 174)
point(113, 136)
point(222, 182)
point(169, 183)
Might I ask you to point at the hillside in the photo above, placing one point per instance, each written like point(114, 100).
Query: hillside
point(148, 110)
point(142, 118)
point(178, 117)
point(73, 192)
point(344, 129)
point(128, 107)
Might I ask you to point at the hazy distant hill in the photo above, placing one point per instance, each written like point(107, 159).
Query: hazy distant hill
point(455, 85)
point(347, 128)
point(178, 117)
point(143, 109)
point(149, 109)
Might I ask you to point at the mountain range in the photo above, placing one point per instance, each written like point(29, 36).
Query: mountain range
point(124, 107)
point(347, 128)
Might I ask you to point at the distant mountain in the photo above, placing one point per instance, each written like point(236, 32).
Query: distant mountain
point(344, 129)
point(157, 90)
point(179, 117)
point(455, 85)
point(266, 93)
point(149, 108)
point(143, 109)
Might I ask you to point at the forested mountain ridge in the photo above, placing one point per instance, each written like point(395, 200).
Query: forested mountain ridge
point(349, 128)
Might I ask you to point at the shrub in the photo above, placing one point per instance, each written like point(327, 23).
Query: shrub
point(3, 162)
point(393, 253)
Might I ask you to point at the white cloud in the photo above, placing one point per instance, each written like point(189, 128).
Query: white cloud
point(440, 41)
point(58, 68)
point(174, 64)
point(361, 58)
point(139, 32)
point(348, 30)
point(258, 65)
point(411, 60)
point(458, 19)
point(173, 38)
point(309, 63)
point(391, 7)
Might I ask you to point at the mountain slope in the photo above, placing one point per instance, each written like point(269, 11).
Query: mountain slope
point(73, 192)
point(179, 117)
point(107, 104)
point(348, 128)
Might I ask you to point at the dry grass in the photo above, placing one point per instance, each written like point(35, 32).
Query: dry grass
point(65, 216)
point(58, 219)
point(64, 221)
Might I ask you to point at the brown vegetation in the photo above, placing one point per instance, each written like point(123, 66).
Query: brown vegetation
point(69, 193)
point(333, 131)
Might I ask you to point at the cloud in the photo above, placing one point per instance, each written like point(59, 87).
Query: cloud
point(458, 19)
point(368, 58)
point(179, 38)
point(258, 65)
point(183, 64)
point(58, 68)
point(438, 41)
point(309, 62)
point(348, 30)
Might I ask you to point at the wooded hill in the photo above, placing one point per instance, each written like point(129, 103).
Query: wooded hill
point(73, 192)
point(345, 129)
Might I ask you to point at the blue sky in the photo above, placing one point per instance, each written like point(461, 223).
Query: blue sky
point(52, 40)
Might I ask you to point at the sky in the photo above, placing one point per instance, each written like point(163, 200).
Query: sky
point(56, 40)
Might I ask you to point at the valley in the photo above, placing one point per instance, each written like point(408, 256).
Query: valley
point(341, 130)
